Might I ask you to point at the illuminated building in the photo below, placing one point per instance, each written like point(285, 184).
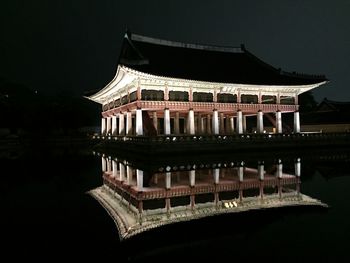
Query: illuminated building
point(170, 88)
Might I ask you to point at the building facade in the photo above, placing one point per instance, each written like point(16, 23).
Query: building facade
point(170, 88)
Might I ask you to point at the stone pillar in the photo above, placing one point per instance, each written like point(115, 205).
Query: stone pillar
point(244, 121)
point(208, 124)
point(191, 129)
point(216, 174)
point(114, 125)
point(278, 122)
point(177, 123)
point(297, 167)
point(227, 124)
point(279, 168)
point(261, 172)
point(103, 126)
point(104, 164)
point(128, 123)
point(167, 129)
point(192, 201)
point(239, 124)
point(155, 120)
point(215, 122)
point(121, 124)
point(108, 129)
point(296, 122)
point(222, 123)
point(139, 179)
point(167, 180)
point(260, 122)
point(232, 125)
point(201, 124)
point(192, 175)
point(167, 204)
point(115, 168)
point(261, 175)
point(109, 164)
point(121, 172)
point(240, 171)
point(139, 124)
point(128, 175)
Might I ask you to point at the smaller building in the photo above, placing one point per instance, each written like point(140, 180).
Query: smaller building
point(329, 116)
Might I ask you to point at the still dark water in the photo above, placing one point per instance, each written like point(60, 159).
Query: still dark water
point(47, 215)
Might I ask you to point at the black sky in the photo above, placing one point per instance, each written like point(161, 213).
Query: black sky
point(73, 45)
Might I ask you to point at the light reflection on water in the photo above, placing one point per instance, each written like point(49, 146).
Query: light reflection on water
point(46, 207)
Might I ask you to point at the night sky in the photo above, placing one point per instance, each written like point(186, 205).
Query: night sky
point(72, 46)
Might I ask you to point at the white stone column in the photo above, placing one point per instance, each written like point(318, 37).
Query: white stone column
point(155, 120)
point(108, 130)
point(139, 124)
point(139, 179)
point(232, 124)
point(216, 174)
point(260, 122)
point(109, 164)
point(104, 164)
point(244, 121)
point(167, 129)
point(240, 172)
point(208, 124)
point(121, 124)
point(279, 168)
point(296, 122)
point(297, 167)
point(114, 125)
point(215, 122)
point(261, 172)
point(227, 124)
point(191, 129)
point(222, 123)
point(177, 123)
point(115, 168)
point(167, 180)
point(128, 123)
point(121, 172)
point(239, 124)
point(103, 126)
point(192, 175)
point(201, 124)
point(128, 175)
point(278, 122)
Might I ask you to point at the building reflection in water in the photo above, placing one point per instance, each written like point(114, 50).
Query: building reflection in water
point(140, 197)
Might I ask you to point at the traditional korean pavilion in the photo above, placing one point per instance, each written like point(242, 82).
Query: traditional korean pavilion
point(164, 87)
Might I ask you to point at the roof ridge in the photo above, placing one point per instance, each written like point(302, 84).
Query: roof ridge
point(163, 42)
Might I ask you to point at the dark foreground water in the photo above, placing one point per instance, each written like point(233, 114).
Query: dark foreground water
point(47, 215)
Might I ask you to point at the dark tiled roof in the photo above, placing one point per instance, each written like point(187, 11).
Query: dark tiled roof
point(334, 106)
point(203, 62)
